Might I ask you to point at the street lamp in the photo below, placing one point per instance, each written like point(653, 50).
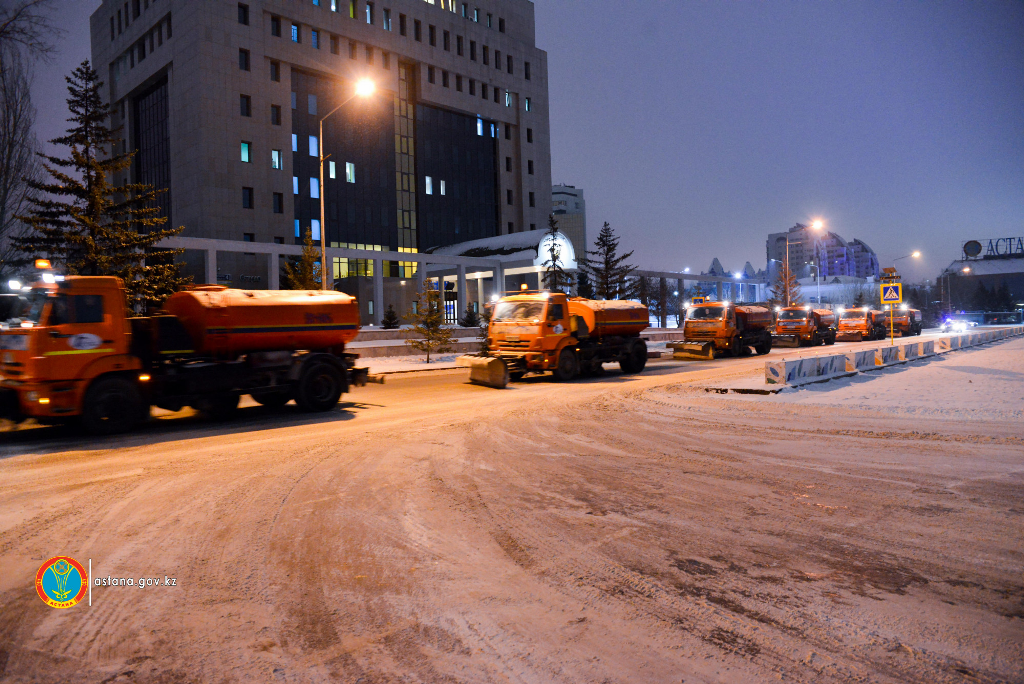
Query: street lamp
point(364, 88)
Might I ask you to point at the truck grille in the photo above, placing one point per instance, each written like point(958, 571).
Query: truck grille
point(699, 335)
point(514, 346)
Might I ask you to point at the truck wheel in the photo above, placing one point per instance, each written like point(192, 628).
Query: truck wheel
point(830, 340)
point(763, 348)
point(636, 359)
point(568, 367)
point(272, 399)
point(111, 406)
point(319, 387)
point(218, 406)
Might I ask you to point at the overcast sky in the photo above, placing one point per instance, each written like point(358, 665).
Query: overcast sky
point(696, 128)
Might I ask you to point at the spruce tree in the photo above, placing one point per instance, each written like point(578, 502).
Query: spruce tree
point(607, 271)
point(303, 273)
point(431, 334)
point(555, 277)
point(786, 290)
point(86, 225)
point(860, 300)
point(470, 319)
point(583, 287)
point(390, 320)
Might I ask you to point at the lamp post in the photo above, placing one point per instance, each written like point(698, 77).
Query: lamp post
point(364, 88)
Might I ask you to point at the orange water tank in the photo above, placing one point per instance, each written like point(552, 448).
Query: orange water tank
point(227, 321)
point(611, 317)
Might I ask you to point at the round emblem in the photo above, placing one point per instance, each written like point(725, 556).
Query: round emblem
point(62, 582)
point(972, 248)
point(84, 341)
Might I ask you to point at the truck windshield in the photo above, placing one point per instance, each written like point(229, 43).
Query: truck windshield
point(704, 313)
point(853, 315)
point(518, 311)
point(29, 307)
point(798, 315)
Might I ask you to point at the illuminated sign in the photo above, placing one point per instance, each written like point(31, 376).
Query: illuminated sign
point(1005, 246)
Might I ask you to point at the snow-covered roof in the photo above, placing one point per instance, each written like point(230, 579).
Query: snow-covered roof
point(982, 267)
point(499, 246)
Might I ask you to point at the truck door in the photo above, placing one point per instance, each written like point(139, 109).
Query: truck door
point(556, 322)
point(79, 330)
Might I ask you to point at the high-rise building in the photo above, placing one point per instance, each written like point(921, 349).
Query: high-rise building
point(570, 209)
point(827, 251)
point(223, 100)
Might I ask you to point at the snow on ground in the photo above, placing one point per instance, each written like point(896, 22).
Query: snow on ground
point(985, 382)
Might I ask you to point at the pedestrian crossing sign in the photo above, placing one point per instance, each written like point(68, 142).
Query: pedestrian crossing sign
point(697, 300)
point(892, 293)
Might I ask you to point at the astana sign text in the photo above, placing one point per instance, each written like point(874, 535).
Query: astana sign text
point(1007, 246)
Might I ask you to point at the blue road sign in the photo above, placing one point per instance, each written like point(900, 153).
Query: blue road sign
point(892, 293)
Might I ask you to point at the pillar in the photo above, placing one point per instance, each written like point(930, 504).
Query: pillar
point(421, 276)
point(378, 291)
point(718, 290)
point(481, 298)
point(274, 271)
point(211, 267)
point(499, 280)
point(663, 295)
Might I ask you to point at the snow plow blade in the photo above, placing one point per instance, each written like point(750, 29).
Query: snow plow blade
point(489, 371)
point(692, 350)
point(785, 341)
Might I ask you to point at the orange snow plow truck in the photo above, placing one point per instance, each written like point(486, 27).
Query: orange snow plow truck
point(71, 352)
point(905, 321)
point(802, 326)
point(534, 332)
point(860, 325)
point(723, 328)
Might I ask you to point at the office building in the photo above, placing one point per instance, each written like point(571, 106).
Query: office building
point(570, 210)
point(223, 100)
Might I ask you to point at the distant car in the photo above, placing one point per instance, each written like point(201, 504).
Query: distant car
point(954, 325)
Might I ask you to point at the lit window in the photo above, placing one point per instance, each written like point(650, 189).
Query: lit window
point(479, 126)
point(315, 226)
point(275, 159)
point(296, 227)
point(529, 105)
point(313, 151)
point(386, 18)
point(296, 36)
point(311, 104)
point(315, 39)
point(331, 169)
point(314, 188)
point(369, 13)
point(442, 187)
point(508, 99)
point(295, 142)
point(295, 186)
point(350, 172)
point(430, 185)
point(334, 5)
point(245, 152)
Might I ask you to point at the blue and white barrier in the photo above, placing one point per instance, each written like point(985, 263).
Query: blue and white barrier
point(818, 368)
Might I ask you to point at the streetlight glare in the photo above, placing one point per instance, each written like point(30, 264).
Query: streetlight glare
point(916, 255)
point(967, 269)
point(365, 87)
point(817, 224)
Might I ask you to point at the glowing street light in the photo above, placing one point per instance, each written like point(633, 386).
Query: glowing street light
point(364, 88)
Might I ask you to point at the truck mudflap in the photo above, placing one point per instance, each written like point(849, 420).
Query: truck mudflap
point(692, 350)
point(490, 371)
point(9, 407)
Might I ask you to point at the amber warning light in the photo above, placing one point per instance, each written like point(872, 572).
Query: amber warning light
point(42, 263)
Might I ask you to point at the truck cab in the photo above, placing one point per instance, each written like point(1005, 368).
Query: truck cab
point(804, 326)
point(717, 328)
point(530, 330)
point(860, 324)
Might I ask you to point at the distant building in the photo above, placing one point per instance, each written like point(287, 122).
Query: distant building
point(738, 291)
point(833, 255)
point(570, 210)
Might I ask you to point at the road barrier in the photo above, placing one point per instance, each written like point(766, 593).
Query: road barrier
point(819, 368)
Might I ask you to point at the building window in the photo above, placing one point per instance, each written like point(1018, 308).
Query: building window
point(350, 172)
point(331, 169)
point(458, 83)
point(532, 202)
point(295, 142)
point(508, 62)
point(490, 21)
point(511, 227)
point(508, 163)
point(296, 224)
point(529, 166)
point(248, 237)
point(430, 74)
point(533, 226)
point(295, 185)
point(476, 15)
point(508, 132)
point(417, 30)
point(501, 25)
point(314, 226)
point(432, 36)
point(247, 198)
point(351, 9)
point(275, 71)
point(351, 49)
point(401, 24)
point(314, 188)
point(496, 93)
point(447, 41)
point(429, 185)
point(278, 205)
point(314, 39)
point(296, 34)
point(529, 135)
point(465, 11)
point(508, 99)
point(245, 105)
point(279, 240)
point(385, 16)
point(369, 13)
point(311, 104)
point(442, 187)
point(483, 90)
point(275, 159)
point(243, 59)
point(444, 78)
point(313, 147)
point(243, 14)
point(529, 105)
point(369, 54)
point(526, 70)
point(275, 26)
point(472, 50)
point(458, 46)
point(497, 59)
point(508, 196)
point(385, 60)
point(472, 87)
point(245, 151)
point(487, 55)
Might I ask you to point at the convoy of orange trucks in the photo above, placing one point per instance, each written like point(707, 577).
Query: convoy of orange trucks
point(724, 328)
point(802, 326)
point(860, 324)
point(71, 352)
point(534, 332)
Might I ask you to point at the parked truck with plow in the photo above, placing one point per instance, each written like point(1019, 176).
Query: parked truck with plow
point(803, 326)
point(716, 329)
point(860, 324)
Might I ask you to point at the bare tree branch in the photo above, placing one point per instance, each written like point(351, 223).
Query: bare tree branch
point(27, 26)
point(18, 161)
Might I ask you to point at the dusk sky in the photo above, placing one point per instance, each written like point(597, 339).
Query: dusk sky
point(696, 128)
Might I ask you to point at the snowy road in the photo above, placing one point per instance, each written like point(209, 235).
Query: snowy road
point(621, 529)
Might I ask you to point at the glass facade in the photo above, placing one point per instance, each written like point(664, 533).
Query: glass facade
point(152, 164)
